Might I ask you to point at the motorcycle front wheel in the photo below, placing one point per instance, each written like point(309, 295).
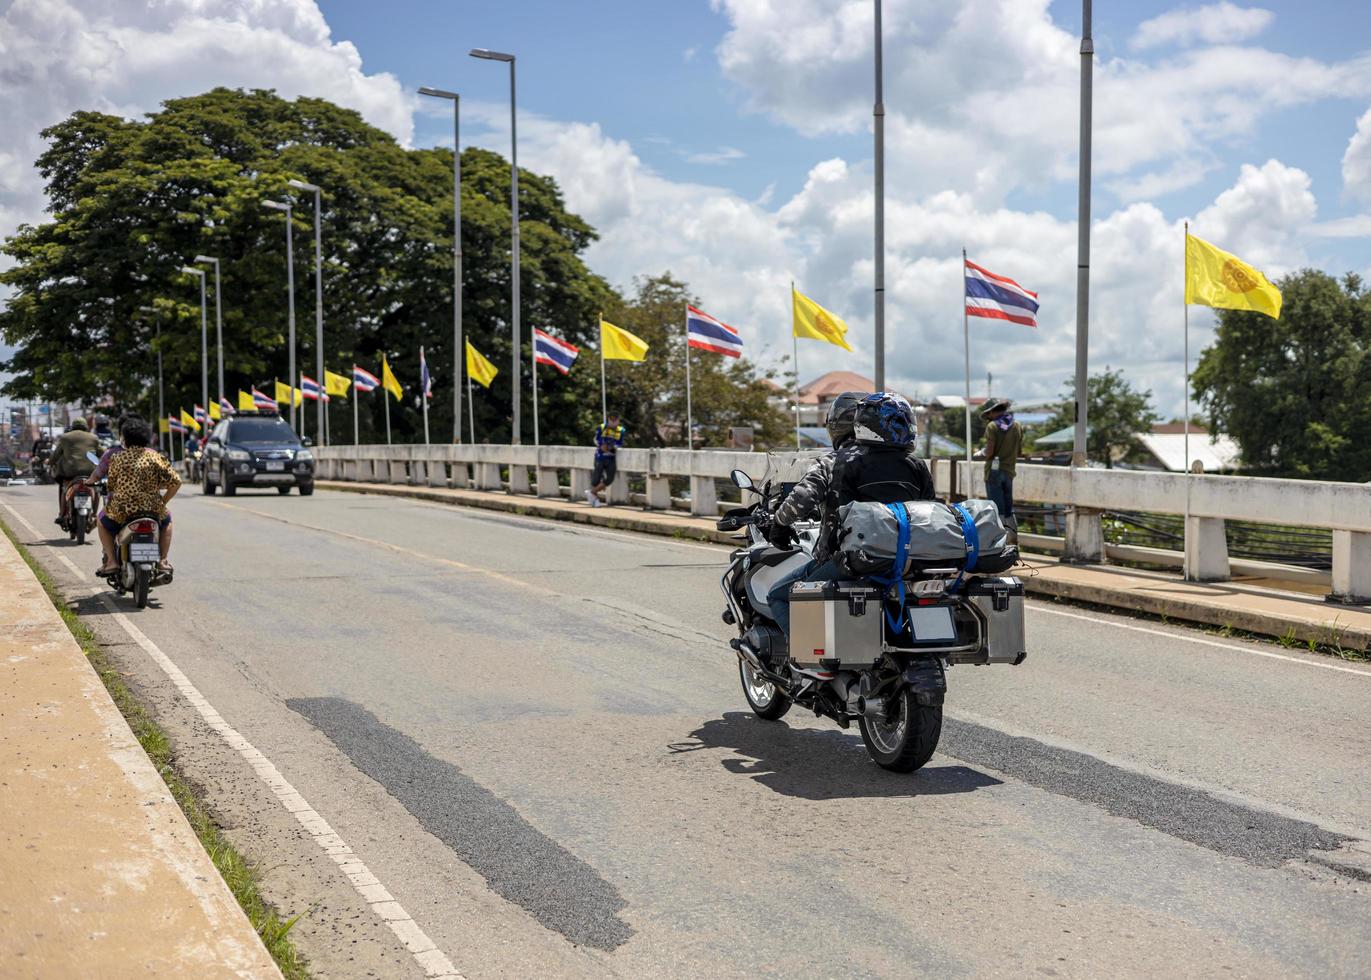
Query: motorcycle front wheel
point(905, 738)
point(762, 696)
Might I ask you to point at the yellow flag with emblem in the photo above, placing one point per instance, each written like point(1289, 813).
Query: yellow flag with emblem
point(214, 412)
point(813, 322)
point(188, 420)
point(245, 402)
point(336, 384)
point(389, 381)
point(285, 393)
point(1215, 278)
point(479, 369)
point(620, 345)
point(163, 425)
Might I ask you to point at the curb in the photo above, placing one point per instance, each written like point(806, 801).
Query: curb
point(1192, 609)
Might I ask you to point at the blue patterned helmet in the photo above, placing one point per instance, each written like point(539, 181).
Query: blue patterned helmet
point(884, 419)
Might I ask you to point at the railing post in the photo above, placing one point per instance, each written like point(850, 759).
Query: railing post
point(1351, 568)
point(1206, 550)
point(580, 482)
point(518, 478)
point(617, 492)
point(704, 500)
point(1084, 537)
point(547, 482)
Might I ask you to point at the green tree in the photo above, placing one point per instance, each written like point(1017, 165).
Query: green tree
point(1116, 412)
point(1294, 392)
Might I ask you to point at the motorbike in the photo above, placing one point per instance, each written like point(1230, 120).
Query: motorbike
point(41, 471)
point(138, 549)
point(866, 651)
point(82, 507)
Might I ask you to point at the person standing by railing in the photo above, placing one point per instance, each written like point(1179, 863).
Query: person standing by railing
point(1003, 447)
point(609, 436)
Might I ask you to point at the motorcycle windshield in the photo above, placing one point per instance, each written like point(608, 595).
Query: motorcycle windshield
point(787, 468)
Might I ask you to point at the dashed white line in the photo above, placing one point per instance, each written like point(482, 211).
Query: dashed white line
point(1200, 640)
point(433, 961)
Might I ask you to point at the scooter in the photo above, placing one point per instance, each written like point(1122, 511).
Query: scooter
point(138, 549)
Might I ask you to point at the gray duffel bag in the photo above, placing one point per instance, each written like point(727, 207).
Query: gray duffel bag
point(869, 535)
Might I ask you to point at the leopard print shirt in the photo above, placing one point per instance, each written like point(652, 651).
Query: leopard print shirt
point(137, 479)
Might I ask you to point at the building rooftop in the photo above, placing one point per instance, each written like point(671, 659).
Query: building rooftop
point(828, 386)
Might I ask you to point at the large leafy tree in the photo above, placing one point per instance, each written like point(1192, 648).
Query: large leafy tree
point(1294, 392)
point(1116, 413)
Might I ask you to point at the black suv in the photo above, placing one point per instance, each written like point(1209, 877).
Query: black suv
point(257, 450)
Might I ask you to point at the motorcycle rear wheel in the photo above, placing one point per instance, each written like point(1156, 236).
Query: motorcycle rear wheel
point(906, 739)
point(142, 581)
point(78, 528)
point(766, 702)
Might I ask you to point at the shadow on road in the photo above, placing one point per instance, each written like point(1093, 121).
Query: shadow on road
point(819, 765)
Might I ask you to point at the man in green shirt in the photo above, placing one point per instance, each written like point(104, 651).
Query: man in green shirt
point(1003, 446)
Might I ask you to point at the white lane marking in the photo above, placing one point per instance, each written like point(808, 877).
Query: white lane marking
point(1200, 640)
point(426, 953)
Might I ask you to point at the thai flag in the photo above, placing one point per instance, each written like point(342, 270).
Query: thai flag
point(364, 380)
point(263, 403)
point(226, 407)
point(999, 297)
point(176, 425)
point(425, 379)
point(548, 350)
point(707, 333)
point(310, 389)
point(201, 415)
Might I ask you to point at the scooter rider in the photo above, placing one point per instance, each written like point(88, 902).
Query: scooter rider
point(69, 460)
point(878, 466)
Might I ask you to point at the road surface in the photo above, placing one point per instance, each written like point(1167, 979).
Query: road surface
point(530, 736)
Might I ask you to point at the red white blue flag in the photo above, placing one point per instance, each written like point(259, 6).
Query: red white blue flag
point(311, 388)
point(548, 350)
point(201, 415)
point(263, 402)
point(226, 407)
point(999, 297)
point(174, 424)
point(425, 379)
point(364, 380)
point(707, 333)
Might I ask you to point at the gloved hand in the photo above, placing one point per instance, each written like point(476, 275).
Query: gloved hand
point(779, 535)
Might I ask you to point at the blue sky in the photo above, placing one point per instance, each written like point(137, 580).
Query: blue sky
point(728, 141)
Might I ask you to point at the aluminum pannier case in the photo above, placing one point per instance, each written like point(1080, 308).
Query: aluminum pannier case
point(835, 623)
point(1000, 601)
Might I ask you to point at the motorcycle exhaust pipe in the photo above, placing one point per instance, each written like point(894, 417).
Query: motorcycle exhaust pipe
point(873, 708)
point(745, 652)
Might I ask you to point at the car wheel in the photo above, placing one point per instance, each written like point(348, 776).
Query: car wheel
point(229, 488)
point(283, 490)
point(306, 489)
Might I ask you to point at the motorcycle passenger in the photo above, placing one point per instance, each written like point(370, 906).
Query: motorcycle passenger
point(879, 467)
point(100, 428)
point(69, 461)
point(806, 499)
point(141, 481)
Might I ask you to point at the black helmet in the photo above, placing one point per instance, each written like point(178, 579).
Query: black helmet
point(884, 419)
point(840, 415)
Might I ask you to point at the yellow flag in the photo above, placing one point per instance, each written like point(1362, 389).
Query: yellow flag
point(163, 425)
point(336, 384)
point(620, 345)
point(388, 380)
point(478, 368)
point(245, 402)
point(813, 322)
point(1215, 278)
point(188, 420)
point(284, 394)
point(214, 412)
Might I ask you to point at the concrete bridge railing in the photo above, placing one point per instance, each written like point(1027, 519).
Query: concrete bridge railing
point(1342, 508)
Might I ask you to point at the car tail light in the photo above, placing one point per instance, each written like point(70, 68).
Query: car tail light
point(143, 526)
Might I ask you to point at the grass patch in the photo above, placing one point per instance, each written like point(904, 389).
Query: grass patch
point(238, 874)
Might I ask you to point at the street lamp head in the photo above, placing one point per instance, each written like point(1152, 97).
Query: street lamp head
point(491, 55)
point(437, 93)
point(206, 258)
point(276, 206)
point(192, 271)
point(300, 185)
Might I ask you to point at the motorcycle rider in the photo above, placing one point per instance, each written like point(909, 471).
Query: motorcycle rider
point(806, 499)
point(141, 481)
point(69, 461)
point(878, 466)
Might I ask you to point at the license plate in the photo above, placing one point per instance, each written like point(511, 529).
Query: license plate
point(276, 467)
point(932, 623)
point(139, 553)
point(82, 504)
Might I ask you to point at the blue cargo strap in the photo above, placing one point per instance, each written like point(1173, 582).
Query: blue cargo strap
point(973, 544)
point(896, 578)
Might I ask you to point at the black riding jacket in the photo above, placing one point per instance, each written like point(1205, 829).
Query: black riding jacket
point(880, 474)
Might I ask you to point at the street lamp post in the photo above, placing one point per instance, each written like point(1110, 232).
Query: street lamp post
point(161, 408)
point(878, 115)
point(190, 270)
point(218, 322)
point(458, 350)
point(318, 310)
point(1083, 248)
point(290, 289)
point(515, 378)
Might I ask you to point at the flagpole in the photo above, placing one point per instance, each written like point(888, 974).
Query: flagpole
point(385, 397)
point(423, 395)
point(604, 403)
point(1185, 528)
point(690, 425)
point(356, 432)
point(966, 344)
point(795, 362)
point(536, 443)
point(471, 411)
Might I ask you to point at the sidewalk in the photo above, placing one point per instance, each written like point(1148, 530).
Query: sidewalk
point(102, 875)
point(1240, 605)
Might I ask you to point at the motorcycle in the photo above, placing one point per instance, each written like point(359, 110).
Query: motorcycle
point(860, 650)
point(81, 510)
point(138, 549)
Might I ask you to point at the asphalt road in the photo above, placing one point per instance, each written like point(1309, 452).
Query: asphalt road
point(533, 735)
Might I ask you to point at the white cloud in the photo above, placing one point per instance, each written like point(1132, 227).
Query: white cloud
point(724, 154)
point(1356, 161)
point(1215, 23)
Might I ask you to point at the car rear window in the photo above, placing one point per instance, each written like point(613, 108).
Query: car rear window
point(261, 430)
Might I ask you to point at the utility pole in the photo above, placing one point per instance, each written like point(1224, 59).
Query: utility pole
point(878, 114)
point(1083, 245)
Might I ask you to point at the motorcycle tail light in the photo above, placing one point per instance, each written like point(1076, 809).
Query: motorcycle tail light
point(143, 526)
